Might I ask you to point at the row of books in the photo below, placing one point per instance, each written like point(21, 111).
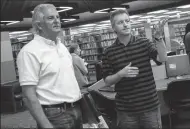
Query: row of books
point(107, 43)
point(90, 51)
point(91, 58)
point(89, 45)
point(17, 46)
point(87, 39)
point(108, 36)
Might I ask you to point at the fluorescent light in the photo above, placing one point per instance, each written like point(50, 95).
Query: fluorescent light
point(159, 11)
point(172, 16)
point(135, 22)
point(25, 34)
point(149, 16)
point(171, 12)
point(184, 12)
point(105, 21)
point(12, 22)
point(155, 19)
point(184, 6)
point(102, 10)
point(7, 21)
point(141, 20)
point(68, 20)
point(88, 25)
point(102, 26)
point(63, 9)
point(118, 8)
point(107, 24)
point(22, 38)
point(17, 32)
point(134, 16)
point(162, 16)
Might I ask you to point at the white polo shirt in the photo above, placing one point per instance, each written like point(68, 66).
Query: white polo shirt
point(48, 66)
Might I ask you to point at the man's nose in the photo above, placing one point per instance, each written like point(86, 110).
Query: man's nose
point(125, 23)
point(57, 20)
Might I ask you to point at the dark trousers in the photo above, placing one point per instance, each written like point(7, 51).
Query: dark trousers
point(148, 120)
point(65, 118)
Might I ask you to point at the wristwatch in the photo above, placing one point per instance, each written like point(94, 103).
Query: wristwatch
point(158, 39)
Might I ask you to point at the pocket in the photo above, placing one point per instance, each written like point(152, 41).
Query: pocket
point(53, 112)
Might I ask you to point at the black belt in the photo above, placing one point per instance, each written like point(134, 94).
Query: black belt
point(65, 105)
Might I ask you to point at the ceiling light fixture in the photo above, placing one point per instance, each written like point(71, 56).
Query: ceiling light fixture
point(118, 8)
point(135, 16)
point(141, 20)
point(87, 25)
point(107, 21)
point(162, 16)
point(68, 20)
point(9, 22)
point(185, 12)
point(149, 16)
point(20, 38)
point(25, 34)
point(102, 10)
point(12, 23)
point(159, 11)
point(104, 24)
point(172, 16)
point(171, 12)
point(135, 23)
point(6, 21)
point(63, 9)
point(184, 6)
point(17, 32)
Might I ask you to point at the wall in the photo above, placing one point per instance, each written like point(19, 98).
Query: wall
point(7, 63)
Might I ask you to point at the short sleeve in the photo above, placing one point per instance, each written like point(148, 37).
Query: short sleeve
point(107, 68)
point(28, 68)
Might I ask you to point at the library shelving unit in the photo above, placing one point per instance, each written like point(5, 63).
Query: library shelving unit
point(179, 31)
point(93, 45)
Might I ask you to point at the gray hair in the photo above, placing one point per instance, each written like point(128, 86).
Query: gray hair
point(115, 13)
point(38, 16)
point(73, 47)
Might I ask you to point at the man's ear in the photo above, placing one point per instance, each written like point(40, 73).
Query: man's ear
point(39, 25)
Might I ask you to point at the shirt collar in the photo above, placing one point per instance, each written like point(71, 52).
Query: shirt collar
point(132, 39)
point(47, 41)
point(74, 54)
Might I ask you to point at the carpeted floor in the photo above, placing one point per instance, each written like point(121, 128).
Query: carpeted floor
point(18, 120)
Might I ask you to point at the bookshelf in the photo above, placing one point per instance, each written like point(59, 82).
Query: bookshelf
point(179, 31)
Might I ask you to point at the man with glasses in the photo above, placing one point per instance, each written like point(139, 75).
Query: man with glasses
point(126, 63)
point(46, 74)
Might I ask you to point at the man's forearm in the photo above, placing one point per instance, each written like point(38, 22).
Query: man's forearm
point(37, 112)
point(162, 52)
point(112, 79)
